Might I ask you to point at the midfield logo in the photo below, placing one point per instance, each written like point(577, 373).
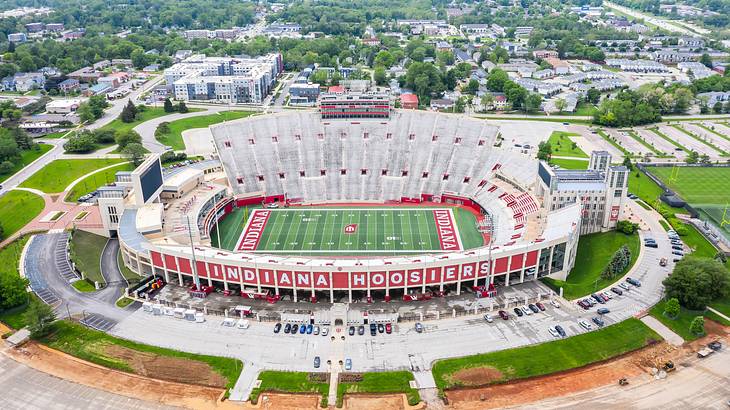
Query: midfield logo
point(351, 228)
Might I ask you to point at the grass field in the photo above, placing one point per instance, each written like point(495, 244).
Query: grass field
point(91, 345)
point(375, 230)
point(381, 383)
point(17, 208)
point(569, 163)
point(288, 382)
point(86, 249)
point(94, 181)
point(594, 253)
point(698, 185)
point(550, 357)
point(57, 175)
point(149, 114)
point(562, 145)
point(174, 137)
point(26, 157)
point(9, 259)
point(680, 324)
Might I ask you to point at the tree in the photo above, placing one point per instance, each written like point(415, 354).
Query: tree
point(627, 163)
point(380, 76)
point(472, 87)
point(124, 138)
point(706, 60)
point(717, 108)
point(544, 151)
point(487, 100)
point(129, 112)
point(697, 281)
point(384, 58)
point(697, 327)
point(80, 142)
point(496, 80)
point(692, 157)
point(162, 129)
point(168, 107)
point(12, 291)
point(134, 152)
point(671, 308)
point(593, 96)
point(38, 317)
point(560, 104)
point(85, 112)
point(182, 108)
point(533, 102)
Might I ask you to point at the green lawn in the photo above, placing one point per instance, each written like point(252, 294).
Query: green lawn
point(86, 249)
point(57, 175)
point(381, 383)
point(94, 181)
point(569, 163)
point(697, 185)
point(124, 302)
point(562, 145)
point(584, 109)
point(84, 286)
point(551, 357)
point(26, 157)
point(56, 135)
point(149, 114)
point(594, 254)
point(680, 324)
point(288, 382)
point(17, 208)
point(87, 344)
point(9, 259)
point(174, 137)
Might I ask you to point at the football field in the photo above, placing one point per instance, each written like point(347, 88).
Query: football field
point(342, 231)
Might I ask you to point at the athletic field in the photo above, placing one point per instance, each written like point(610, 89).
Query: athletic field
point(697, 185)
point(343, 231)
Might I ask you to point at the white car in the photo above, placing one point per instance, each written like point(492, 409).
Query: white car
point(555, 303)
point(624, 286)
point(607, 295)
point(526, 310)
point(316, 330)
point(325, 331)
point(488, 318)
point(554, 332)
point(585, 325)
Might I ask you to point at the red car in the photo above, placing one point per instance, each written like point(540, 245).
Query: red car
point(388, 328)
point(503, 315)
point(540, 306)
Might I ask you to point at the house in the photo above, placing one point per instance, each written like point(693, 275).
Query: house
point(151, 68)
point(25, 82)
point(34, 27)
point(17, 38)
point(121, 76)
point(182, 55)
point(124, 62)
point(98, 89)
point(85, 75)
point(442, 104)
point(691, 42)
point(53, 27)
point(542, 54)
point(409, 101)
point(543, 74)
point(100, 65)
point(68, 85)
point(371, 41)
point(74, 34)
point(336, 89)
point(63, 106)
point(714, 97)
point(561, 67)
point(500, 102)
point(443, 46)
point(112, 82)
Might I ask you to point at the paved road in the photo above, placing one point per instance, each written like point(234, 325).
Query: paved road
point(697, 384)
point(24, 388)
point(31, 169)
point(115, 281)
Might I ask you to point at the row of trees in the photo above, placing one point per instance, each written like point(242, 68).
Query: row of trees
point(618, 264)
point(13, 141)
point(642, 106)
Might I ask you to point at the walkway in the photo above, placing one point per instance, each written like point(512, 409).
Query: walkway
point(717, 312)
point(665, 332)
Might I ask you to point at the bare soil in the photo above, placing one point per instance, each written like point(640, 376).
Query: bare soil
point(167, 368)
point(477, 376)
point(380, 402)
point(288, 401)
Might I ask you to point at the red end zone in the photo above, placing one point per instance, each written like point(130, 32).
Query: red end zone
point(251, 234)
point(446, 229)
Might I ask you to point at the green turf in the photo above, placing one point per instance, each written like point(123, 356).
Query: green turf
point(56, 135)
point(26, 157)
point(17, 208)
point(86, 249)
point(697, 185)
point(569, 163)
point(594, 253)
point(90, 345)
point(551, 357)
point(9, 259)
point(174, 137)
point(380, 230)
point(288, 382)
point(680, 325)
point(149, 114)
point(562, 145)
point(124, 302)
point(94, 181)
point(83, 286)
point(381, 383)
point(57, 175)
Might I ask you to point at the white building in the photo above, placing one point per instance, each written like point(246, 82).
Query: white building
point(224, 79)
point(63, 106)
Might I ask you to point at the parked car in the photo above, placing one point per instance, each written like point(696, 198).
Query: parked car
point(553, 332)
point(585, 325)
point(488, 318)
point(294, 329)
point(540, 306)
point(634, 282)
point(503, 315)
point(533, 308)
point(316, 330)
point(518, 312)
point(607, 296)
point(361, 330)
point(373, 329)
point(651, 244)
point(302, 329)
point(603, 311)
point(351, 331)
point(555, 303)
point(617, 291)
point(325, 331)
point(598, 321)
point(716, 345)
point(583, 304)
point(419, 327)
point(560, 331)
point(624, 286)
point(287, 328)
point(316, 362)
point(381, 328)
point(678, 253)
point(348, 364)
point(277, 328)
point(310, 329)
point(388, 328)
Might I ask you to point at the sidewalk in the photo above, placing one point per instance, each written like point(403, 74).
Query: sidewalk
point(665, 332)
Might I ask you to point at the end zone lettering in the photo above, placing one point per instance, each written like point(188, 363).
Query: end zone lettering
point(446, 230)
point(254, 228)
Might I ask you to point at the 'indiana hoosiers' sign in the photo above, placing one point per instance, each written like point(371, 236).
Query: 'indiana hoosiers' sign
point(351, 228)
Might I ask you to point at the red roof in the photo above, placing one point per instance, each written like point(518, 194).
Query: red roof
point(409, 98)
point(336, 89)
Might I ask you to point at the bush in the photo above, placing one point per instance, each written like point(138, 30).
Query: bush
point(671, 308)
point(627, 227)
point(697, 327)
point(80, 142)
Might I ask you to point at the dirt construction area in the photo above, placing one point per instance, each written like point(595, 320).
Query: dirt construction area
point(380, 402)
point(478, 376)
point(635, 364)
point(287, 401)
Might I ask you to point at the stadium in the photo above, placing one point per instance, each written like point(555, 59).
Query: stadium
point(372, 204)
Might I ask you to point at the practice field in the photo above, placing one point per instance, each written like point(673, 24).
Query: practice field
point(348, 231)
point(697, 185)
